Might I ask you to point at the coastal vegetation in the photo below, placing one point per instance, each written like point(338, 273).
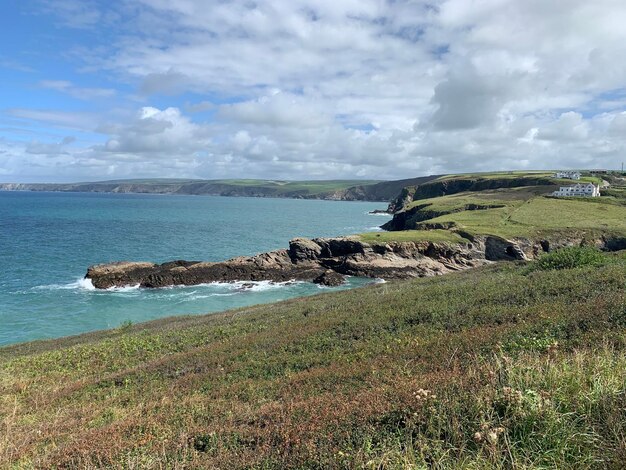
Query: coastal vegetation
point(487, 204)
point(498, 367)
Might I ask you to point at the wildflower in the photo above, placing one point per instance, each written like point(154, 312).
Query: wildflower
point(423, 395)
point(512, 396)
point(492, 437)
point(478, 437)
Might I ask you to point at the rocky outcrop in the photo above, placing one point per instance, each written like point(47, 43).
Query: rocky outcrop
point(327, 260)
point(305, 259)
point(274, 266)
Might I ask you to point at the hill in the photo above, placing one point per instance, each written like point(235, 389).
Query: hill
point(348, 190)
point(507, 206)
point(507, 366)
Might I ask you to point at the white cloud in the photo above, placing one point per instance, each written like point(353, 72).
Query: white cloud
point(158, 134)
point(67, 87)
point(62, 119)
point(367, 88)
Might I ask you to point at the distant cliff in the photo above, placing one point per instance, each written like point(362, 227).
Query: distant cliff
point(339, 190)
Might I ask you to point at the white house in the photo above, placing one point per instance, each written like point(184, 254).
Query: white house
point(570, 175)
point(578, 190)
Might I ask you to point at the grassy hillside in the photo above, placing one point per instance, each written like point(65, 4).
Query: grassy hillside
point(489, 205)
point(501, 367)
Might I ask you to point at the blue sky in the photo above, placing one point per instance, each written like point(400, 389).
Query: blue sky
point(293, 89)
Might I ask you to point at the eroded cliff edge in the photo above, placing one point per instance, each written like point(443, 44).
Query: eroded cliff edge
point(318, 259)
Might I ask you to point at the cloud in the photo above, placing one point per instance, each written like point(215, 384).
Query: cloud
point(15, 65)
point(278, 110)
point(157, 133)
point(200, 107)
point(63, 119)
point(167, 83)
point(468, 100)
point(68, 88)
point(41, 148)
point(80, 14)
point(357, 88)
point(569, 126)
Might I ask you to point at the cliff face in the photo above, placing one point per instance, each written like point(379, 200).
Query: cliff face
point(384, 191)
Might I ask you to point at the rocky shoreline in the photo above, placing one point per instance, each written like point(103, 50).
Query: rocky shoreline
point(327, 260)
point(320, 259)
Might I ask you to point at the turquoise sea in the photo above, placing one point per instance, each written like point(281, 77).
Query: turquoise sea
point(47, 241)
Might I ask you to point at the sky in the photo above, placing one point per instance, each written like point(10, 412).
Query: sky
point(292, 89)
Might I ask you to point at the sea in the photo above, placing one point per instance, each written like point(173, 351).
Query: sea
point(48, 240)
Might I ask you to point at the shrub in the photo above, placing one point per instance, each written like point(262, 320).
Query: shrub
point(571, 257)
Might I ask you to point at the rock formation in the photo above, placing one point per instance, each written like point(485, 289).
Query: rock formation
point(305, 259)
point(327, 260)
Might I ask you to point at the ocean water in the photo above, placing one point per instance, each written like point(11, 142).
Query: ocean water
point(47, 241)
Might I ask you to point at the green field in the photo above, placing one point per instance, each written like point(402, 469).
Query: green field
point(523, 211)
point(541, 216)
point(499, 367)
point(498, 175)
point(585, 177)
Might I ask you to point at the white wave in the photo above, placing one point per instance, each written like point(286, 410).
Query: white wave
point(85, 284)
point(375, 229)
point(379, 214)
point(80, 284)
point(123, 288)
point(259, 286)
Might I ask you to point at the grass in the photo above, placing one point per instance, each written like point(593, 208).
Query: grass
point(571, 257)
point(522, 174)
point(499, 175)
point(440, 236)
point(499, 367)
point(522, 212)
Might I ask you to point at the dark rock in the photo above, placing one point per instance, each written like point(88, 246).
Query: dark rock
point(330, 278)
point(303, 249)
point(334, 247)
point(121, 273)
point(614, 243)
point(497, 249)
